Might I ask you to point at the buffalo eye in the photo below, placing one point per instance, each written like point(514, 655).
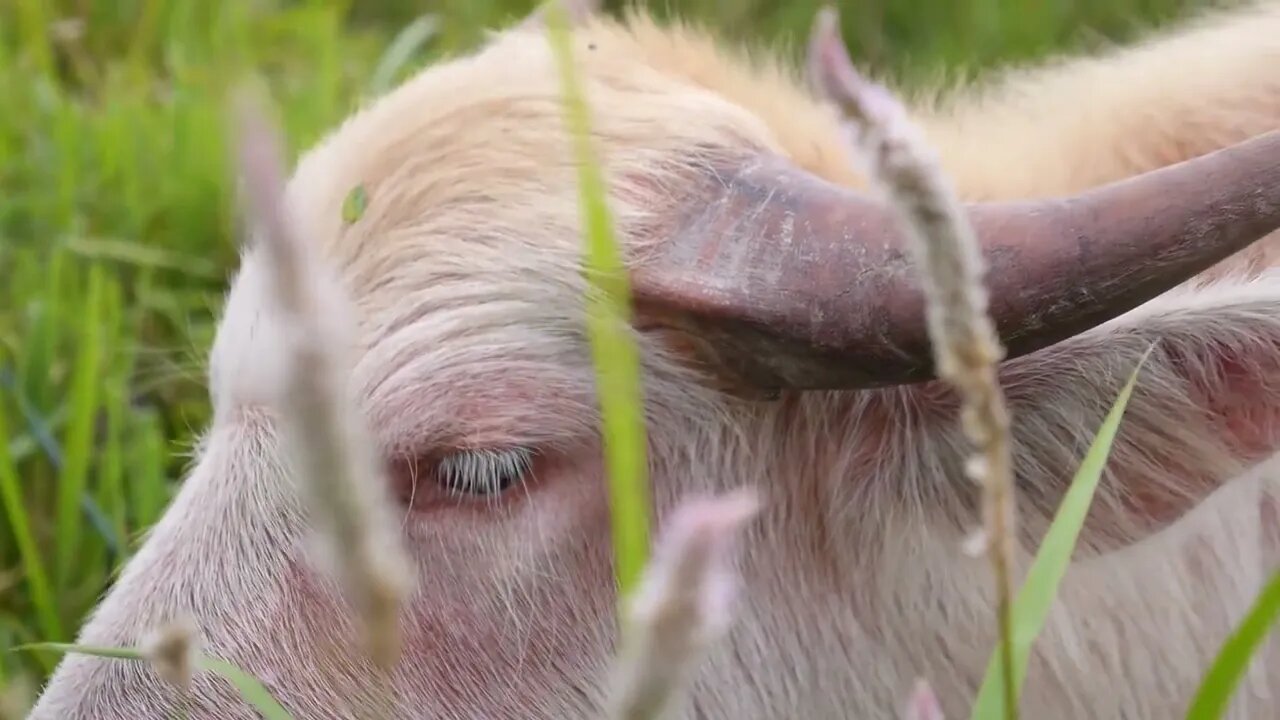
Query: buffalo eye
point(483, 472)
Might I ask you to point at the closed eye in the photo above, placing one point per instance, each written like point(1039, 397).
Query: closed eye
point(485, 472)
point(462, 476)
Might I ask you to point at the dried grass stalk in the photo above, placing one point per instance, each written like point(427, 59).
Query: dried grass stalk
point(172, 650)
point(683, 605)
point(331, 449)
point(965, 345)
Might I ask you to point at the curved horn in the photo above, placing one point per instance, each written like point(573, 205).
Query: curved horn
point(781, 279)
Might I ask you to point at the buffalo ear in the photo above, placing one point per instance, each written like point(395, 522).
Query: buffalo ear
point(1204, 410)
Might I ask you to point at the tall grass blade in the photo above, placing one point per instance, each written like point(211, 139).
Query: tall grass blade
point(143, 256)
point(39, 437)
point(35, 35)
point(42, 597)
point(77, 448)
point(110, 487)
point(407, 44)
point(1035, 599)
point(1217, 685)
point(608, 316)
point(253, 691)
point(41, 343)
point(145, 481)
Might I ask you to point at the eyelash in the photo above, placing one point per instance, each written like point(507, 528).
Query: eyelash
point(483, 473)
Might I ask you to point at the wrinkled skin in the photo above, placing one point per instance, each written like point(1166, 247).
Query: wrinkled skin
point(463, 277)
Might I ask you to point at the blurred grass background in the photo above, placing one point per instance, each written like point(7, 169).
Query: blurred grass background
point(117, 235)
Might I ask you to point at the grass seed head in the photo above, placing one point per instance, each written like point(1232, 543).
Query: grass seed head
point(172, 650)
point(332, 452)
point(683, 605)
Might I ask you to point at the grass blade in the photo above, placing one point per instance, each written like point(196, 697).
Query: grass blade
point(146, 484)
point(616, 357)
point(253, 691)
point(77, 448)
point(116, 653)
point(143, 256)
point(39, 437)
point(41, 344)
point(110, 488)
point(35, 36)
point(1035, 599)
point(42, 597)
point(1217, 685)
point(250, 689)
point(407, 44)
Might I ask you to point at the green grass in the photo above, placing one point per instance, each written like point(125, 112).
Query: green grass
point(616, 357)
point(117, 230)
point(1035, 599)
point(1213, 697)
point(248, 686)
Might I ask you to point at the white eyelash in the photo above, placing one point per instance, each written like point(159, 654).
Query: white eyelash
point(483, 472)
